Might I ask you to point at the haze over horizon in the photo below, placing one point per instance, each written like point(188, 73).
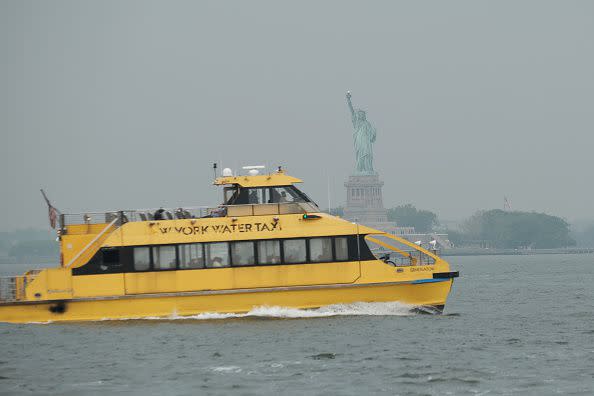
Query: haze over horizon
point(126, 105)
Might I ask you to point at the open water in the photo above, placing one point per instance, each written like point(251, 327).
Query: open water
point(513, 325)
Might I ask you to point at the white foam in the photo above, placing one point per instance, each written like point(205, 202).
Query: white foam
point(226, 369)
point(354, 309)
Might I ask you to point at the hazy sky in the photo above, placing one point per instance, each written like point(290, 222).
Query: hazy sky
point(126, 104)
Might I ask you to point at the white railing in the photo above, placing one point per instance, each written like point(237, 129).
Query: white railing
point(195, 212)
point(12, 288)
point(123, 216)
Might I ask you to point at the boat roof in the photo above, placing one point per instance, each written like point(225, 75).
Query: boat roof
point(268, 180)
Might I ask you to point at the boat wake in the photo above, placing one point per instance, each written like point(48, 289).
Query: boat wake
point(354, 309)
point(276, 312)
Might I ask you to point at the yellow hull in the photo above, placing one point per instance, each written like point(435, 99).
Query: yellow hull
point(431, 294)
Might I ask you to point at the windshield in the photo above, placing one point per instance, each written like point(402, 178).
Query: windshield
point(264, 195)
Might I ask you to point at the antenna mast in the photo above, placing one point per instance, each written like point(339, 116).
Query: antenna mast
point(506, 204)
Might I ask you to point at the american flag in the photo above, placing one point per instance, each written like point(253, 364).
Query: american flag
point(52, 212)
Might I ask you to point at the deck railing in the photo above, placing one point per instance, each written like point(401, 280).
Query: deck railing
point(124, 216)
point(196, 212)
point(12, 288)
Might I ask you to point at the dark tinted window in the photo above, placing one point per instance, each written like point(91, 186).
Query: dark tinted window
point(242, 253)
point(164, 257)
point(142, 258)
point(190, 256)
point(320, 250)
point(342, 248)
point(111, 256)
point(269, 252)
point(295, 251)
point(217, 254)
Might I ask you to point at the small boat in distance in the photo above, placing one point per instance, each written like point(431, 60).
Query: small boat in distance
point(268, 244)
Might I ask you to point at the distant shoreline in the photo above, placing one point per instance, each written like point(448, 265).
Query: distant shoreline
point(512, 252)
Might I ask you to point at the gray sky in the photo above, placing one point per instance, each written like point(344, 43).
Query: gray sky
point(111, 104)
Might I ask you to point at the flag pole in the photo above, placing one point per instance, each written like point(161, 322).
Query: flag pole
point(52, 212)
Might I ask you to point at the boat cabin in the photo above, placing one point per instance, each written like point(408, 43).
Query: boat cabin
point(256, 194)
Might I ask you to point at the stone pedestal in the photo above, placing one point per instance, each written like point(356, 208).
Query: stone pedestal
point(364, 202)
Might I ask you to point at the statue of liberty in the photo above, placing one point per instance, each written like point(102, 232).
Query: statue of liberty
point(364, 137)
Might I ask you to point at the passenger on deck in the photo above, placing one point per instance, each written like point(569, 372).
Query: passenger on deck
point(221, 211)
point(159, 214)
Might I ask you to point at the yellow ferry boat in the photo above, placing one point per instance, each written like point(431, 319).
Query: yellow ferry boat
point(268, 244)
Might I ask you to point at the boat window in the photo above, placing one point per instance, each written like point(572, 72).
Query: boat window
point(111, 257)
point(248, 196)
point(230, 194)
point(142, 258)
point(263, 195)
point(164, 257)
point(241, 198)
point(285, 194)
point(190, 256)
point(342, 248)
point(217, 255)
point(320, 250)
point(269, 252)
point(242, 253)
point(295, 251)
point(256, 196)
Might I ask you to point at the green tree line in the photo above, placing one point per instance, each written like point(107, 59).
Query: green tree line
point(407, 215)
point(503, 229)
point(494, 228)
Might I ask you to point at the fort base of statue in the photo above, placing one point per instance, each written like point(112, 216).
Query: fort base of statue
point(365, 204)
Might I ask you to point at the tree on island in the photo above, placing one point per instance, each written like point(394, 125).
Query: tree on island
point(512, 230)
point(409, 216)
point(584, 234)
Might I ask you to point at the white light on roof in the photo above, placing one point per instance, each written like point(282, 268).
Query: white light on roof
point(253, 172)
point(227, 172)
point(254, 167)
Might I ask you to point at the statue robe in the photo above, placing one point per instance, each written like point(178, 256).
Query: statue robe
point(364, 137)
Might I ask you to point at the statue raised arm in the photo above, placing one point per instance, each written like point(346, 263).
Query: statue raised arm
point(348, 96)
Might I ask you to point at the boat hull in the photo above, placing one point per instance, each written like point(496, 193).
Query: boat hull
point(428, 297)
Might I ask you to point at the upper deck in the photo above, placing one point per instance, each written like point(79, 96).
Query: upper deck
point(249, 195)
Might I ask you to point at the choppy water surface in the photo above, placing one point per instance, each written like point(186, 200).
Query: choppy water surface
point(513, 325)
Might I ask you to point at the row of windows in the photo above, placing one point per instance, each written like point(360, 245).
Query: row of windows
point(120, 259)
point(237, 254)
